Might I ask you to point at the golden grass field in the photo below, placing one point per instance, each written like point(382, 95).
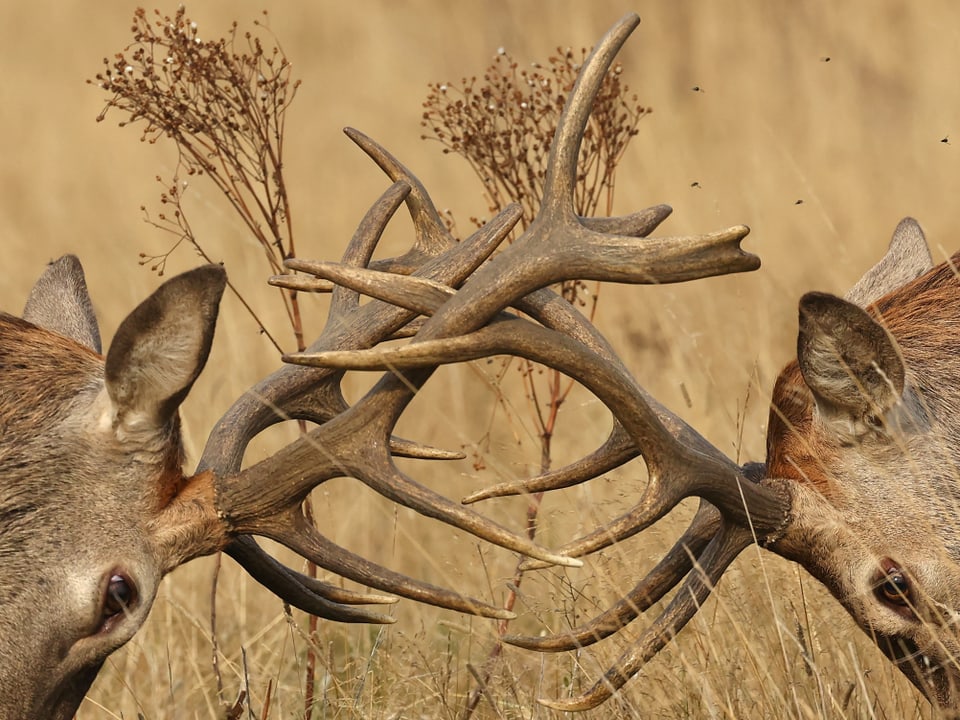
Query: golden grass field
point(862, 140)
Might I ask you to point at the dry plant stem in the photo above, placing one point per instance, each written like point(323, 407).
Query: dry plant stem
point(214, 643)
point(225, 108)
point(533, 511)
point(180, 227)
point(311, 662)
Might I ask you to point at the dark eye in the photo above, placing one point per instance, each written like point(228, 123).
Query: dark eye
point(894, 586)
point(121, 595)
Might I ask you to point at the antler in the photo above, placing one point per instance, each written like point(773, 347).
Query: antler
point(472, 321)
point(265, 498)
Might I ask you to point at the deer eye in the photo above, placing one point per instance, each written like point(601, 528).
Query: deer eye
point(120, 596)
point(894, 587)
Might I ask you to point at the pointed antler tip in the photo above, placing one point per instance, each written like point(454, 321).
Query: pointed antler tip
point(564, 560)
point(577, 704)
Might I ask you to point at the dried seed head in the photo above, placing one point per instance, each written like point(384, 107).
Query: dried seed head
point(504, 127)
point(223, 103)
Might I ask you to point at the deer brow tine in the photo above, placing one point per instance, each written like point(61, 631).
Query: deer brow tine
point(296, 533)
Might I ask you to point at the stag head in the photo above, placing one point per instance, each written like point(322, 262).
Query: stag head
point(90, 458)
point(863, 429)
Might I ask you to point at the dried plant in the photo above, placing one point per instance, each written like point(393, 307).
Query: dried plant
point(504, 127)
point(223, 104)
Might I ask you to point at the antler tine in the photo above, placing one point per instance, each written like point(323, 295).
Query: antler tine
point(409, 449)
point(638, 224)
point(417, 294)
point(365, 239)
point(721, 551)
point(559, 187)
point(674, 566)
point(306, 593)
point(431, 235)
point(300, 283)
point(300, 536)
point(619, 448)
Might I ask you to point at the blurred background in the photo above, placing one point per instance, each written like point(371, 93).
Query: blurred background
point(818, 124)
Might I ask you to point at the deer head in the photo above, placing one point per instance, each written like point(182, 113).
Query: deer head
point(90, 458)
point(860, 430)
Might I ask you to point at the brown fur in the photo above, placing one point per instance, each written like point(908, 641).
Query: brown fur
point(924, 317)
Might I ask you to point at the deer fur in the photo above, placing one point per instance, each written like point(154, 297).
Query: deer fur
point(864, 431)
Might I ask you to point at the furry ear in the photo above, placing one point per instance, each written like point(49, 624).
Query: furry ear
point(59, 302)
point(161, 347)
point(849, 362)
point(907, 258)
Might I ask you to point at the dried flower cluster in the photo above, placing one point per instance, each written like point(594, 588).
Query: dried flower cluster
point(223, 103)
point(504, 126)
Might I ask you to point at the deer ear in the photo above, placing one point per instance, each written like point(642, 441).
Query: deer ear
point(59, 302)
point(161, 347)
point(849, 362)
point(907, 258)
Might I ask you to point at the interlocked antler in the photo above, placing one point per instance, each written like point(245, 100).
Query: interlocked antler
point(355, 441)
point(472, 322)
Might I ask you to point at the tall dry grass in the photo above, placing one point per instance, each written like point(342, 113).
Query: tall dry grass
point(820, 157)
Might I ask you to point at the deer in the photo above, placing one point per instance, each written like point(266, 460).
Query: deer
point(96, 508)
